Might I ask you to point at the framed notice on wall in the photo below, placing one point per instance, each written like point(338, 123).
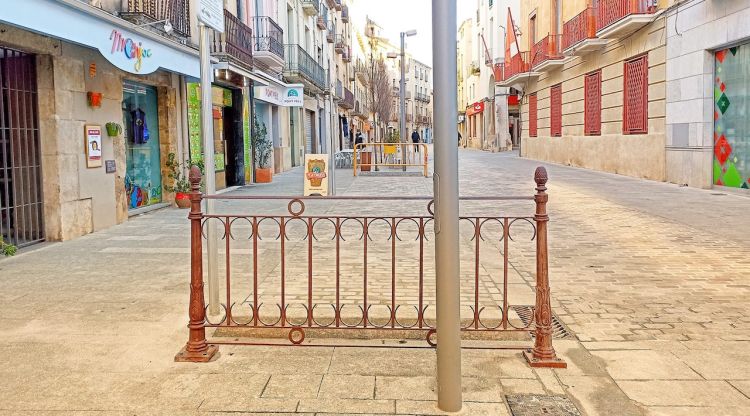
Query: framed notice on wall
point(316, 175)
point(93, 143)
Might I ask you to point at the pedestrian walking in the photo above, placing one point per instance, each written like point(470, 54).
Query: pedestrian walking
point(459, 139)
point(415, 139)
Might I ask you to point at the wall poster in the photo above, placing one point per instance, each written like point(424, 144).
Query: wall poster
point(93, 145)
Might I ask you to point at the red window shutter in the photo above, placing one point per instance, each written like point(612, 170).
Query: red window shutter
point(533, 116)
point(593, 104)
point(635, 107)
point(556, 110)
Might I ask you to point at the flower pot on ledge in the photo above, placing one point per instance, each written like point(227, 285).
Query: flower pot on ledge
point(263, 175)
point(182, 200)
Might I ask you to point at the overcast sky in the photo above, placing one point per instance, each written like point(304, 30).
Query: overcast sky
point(396, 16)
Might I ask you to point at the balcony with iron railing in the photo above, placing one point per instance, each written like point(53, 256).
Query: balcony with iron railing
point(579, 34)
point(362, 72)
point(268, 41)
point(345, 14)
point(517, 70)
point(340, 44)
point(409, 118)
point(322, 19)
point(299, 66)
point(338, 93)
point(235, 45)
point(177, 12)
point(546, 53)
point(331, 32)
point(348, 101)
point(338, 4)
point(331, 4)
point(347, 55)
point(310, 7)
point(619, 18)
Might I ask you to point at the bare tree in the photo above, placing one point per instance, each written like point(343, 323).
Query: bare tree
point(381, 99)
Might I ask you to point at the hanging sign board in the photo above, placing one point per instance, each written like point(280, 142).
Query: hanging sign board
point(316, 175)
point(211, 14)
point(285, 97)
point(93, 144)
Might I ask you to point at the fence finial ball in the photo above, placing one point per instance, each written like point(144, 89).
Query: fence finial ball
point(540, 176)
point(195, 176)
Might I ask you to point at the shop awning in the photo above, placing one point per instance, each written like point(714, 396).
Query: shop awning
point(122, 43)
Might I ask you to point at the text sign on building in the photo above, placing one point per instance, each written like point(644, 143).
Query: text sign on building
point(285, 97)
point(475, 108)
point(211, 14)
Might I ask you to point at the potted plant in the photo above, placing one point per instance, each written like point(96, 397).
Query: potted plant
point(180, 184)
point(394, 137)
point(263, 152)
point(113, 129)
point(7, 249)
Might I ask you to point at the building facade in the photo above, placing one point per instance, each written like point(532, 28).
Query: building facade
point(487, 110)
point(593, 82)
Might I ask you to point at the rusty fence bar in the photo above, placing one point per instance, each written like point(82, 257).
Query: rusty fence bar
point(390, 291)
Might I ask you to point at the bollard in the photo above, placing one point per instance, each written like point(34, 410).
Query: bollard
point(196, 350)
point(543, 354)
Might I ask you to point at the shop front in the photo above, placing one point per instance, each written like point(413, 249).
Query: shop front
point(731, 165)
point(102, 104)
point(276, 108)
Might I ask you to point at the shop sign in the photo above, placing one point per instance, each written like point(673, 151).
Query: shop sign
point(475, 108)
point(93, 141)
point(285, 97)
point(211, 13)
point(316, 175)
point(132, 51)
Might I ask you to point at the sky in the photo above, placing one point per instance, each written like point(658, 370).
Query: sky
point(396, 16)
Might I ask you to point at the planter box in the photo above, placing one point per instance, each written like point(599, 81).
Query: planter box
point(263, 175)
point(182, 200)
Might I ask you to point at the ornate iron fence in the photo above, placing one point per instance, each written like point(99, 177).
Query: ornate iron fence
point(268, 35)
point(177, 12)
point(283, 293)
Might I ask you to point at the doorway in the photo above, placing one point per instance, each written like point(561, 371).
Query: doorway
point(21, 200)
point(142, 153)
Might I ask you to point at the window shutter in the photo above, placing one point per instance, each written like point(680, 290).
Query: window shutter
point(533, 116)
point(635, 107)
point(593, 104)
point(556, 110)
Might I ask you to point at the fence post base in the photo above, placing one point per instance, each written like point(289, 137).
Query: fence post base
point(536, 362)
point(186, 356)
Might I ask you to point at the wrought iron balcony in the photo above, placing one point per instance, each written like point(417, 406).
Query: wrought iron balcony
point(579, 28)
point(331, 32)
point(340, 45)
point(268, 37)
point(301, 67)
point(621, 17)
point(322, 20)
point(546, 51)
point(345, 14)
point(331, 4)
point(338, 4)
point(235, 44)
point(347, 55)
point(339, 92)
point(361, 72)
point(348, 101)
point(311, 7)
point(177, 12)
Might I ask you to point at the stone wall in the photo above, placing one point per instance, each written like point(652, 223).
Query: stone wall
point(640, 156)
point(693, 32)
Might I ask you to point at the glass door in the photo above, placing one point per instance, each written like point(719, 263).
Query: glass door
point(143, 158)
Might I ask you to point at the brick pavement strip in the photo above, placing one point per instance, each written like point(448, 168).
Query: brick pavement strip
point(651, 282)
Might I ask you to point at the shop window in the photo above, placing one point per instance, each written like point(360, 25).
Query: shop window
point(533, 116)
point(556, 110)
point(593, 104)
point(635, 105)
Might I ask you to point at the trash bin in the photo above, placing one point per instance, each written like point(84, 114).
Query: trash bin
point(365, 161)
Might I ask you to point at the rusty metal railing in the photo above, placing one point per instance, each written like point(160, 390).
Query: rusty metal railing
point(280, 292)
point(368, 156)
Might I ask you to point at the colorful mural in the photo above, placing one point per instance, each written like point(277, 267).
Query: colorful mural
point(731, 118)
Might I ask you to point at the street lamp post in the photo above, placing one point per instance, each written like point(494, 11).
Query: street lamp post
point(446, 192)
point(402, 94)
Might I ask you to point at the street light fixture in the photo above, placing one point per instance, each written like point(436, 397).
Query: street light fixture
point(402, 94)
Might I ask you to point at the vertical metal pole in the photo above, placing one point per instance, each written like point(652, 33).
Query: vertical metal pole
point(207, 131)
point(402, 100)
point(446, 206)
point(332, 147)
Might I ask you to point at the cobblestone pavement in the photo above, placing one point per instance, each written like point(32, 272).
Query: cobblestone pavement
point(650, 277)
